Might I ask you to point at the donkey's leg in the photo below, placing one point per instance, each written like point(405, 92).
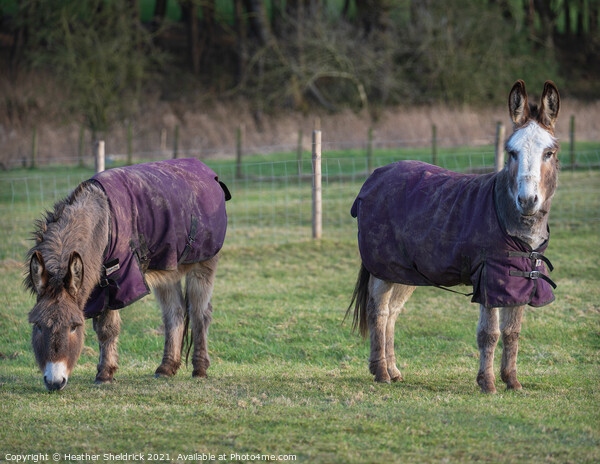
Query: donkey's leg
point(199, 287)
point(400, 295)
point(377, 318)
point(170, 298)
point(488, 333)
point(107, 326)
point(510, 326)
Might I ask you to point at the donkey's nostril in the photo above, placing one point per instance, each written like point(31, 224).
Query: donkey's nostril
point(55, 385)
point(527, 201)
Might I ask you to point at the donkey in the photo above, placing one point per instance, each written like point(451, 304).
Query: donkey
point(422, 225)
point(117, 235)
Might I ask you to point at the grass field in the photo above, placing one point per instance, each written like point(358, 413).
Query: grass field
point(288, 378)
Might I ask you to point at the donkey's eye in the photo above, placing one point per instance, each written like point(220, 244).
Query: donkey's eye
point(74, 328)
point(548, 155)
point(513, 154)
point(37, 329)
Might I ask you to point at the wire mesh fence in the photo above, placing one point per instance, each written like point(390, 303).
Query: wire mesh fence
point(272, 199)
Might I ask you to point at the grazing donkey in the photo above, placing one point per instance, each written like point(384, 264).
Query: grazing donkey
point(102, 248)
point(422, 225)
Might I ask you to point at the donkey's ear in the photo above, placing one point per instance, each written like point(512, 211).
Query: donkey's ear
point(550, 105)
point(38, 273)
point(517, 103)
point(74, 277)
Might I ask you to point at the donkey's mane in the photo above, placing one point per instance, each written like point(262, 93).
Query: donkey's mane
point(54, 244)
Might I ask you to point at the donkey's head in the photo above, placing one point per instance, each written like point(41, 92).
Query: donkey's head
point(57, 318)
point(532, 148)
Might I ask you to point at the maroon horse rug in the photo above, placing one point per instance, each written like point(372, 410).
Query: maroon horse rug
point(419, 224)
point(161, 214)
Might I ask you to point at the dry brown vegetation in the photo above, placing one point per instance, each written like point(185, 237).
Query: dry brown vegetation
point(208, 127)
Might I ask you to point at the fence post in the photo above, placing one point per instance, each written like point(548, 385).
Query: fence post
point(99, 156)
point(434, 157)
point(176, 141)
point(238, 151)
point(34, 148)
point(163, 141)
point(499, 153)
point(129, 142)
point(572, 141)
point(317, 211)
point(81, 144)
point(370, 150)
point(299, 153)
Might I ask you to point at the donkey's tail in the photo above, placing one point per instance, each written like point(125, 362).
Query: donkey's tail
point(360, 298)
point(188, 339)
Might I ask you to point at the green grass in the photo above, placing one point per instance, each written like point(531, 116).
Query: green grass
point(287, 377)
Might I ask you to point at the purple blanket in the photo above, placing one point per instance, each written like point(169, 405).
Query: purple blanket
point(419, 224)
point(162, 214)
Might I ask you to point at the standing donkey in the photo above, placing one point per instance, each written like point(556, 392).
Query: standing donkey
point(422, 225)
point(117, 235)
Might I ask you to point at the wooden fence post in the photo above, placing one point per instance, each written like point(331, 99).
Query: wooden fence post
point(129, 142)
point(34, 148)
point(176, 141)
point(317, 211)
point(81, 148)
point(370, 150)
point(572, 141)
point(434, 157)
point(499, 152)
point(163, 140)
point(99, 156)
point(239, 134)
point(299, 153)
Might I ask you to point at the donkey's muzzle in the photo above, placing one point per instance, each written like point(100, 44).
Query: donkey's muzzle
point(55, 384)
point(55, 376)
point(528, 206)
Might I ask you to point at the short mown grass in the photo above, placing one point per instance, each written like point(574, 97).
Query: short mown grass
point(288, 377)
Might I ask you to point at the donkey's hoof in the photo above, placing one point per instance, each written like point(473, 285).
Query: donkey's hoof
point(487, 387)
point(164, 371)
point(489, 391)
point(103, 380)
point(395, 374)
point(373, 367)
point(388, 381)
point(397, 378)
point(383, 378)
point(199, 373)
point(514, 385)
point(510, 379)
point(487, 383)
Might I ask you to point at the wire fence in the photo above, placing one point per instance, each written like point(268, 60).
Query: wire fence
point(272, 199)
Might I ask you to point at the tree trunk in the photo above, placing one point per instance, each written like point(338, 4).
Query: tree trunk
point(190, 15)
point(580, 13)
point(160, 11)
point(594, 10)
point(547, 19)
point(373, 15)
point(258, 21)
point(240, 32)
point(208, 12)
point(530, 18)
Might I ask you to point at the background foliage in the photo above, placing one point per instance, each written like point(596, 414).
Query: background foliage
point(300, 53)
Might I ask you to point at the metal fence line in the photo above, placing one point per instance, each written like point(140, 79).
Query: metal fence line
point(272, 200)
